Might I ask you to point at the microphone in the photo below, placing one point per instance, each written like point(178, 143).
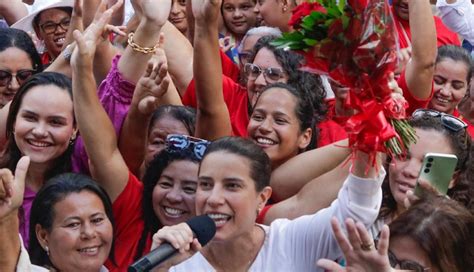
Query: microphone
point(203, 228)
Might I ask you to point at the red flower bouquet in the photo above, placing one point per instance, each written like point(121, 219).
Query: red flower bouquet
point(355, 43)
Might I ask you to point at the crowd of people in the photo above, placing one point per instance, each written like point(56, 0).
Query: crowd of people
point(122, 119)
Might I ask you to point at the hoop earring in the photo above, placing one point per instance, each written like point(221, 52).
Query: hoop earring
point(285, 8)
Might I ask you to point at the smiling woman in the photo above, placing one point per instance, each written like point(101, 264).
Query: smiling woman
point(233, 188)
point(178, 15)
point(40, 125)
point(19, 60)
point(71, 225)
point(451, 80)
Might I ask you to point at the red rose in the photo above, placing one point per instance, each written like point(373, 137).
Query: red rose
point(302, 10)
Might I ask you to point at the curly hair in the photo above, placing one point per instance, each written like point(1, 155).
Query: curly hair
point(303, 110)
point(309, 84)
point(461, 144)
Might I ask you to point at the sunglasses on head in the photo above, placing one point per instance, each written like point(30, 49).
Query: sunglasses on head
point(179, 143)
point(450, 122)
point(272, 75)
point(21, 76)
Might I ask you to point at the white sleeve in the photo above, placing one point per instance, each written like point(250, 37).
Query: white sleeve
point(459, 17)
point(309, 238)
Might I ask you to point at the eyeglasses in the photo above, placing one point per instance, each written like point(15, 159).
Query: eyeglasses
point(244, 57)
point(21, 76)
point(271, 75)
point(51, 27)
point(178, 143)
point(405, 265)
point(450, 122)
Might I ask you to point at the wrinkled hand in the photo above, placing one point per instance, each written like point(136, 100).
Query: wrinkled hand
point(180, 237)
point(154, 83)
point(156, 11)
point(357, 259)
point(12, 187)
point(206, 10)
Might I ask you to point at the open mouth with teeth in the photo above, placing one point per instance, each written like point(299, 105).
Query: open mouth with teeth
point(441, 100)
point(264, 142)
point(89, 251)
point(59, 41)
point(38, 143)
point(173, 212)
point(219, 218)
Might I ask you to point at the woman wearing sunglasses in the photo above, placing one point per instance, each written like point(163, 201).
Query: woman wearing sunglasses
point(19, 60)
point(433, 235)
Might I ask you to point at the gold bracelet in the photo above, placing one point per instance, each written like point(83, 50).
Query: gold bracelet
point(138, 48)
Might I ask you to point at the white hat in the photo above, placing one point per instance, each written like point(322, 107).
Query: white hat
point(26, 23)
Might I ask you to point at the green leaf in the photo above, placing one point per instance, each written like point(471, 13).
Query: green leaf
point(341, 5)
point(310, 42)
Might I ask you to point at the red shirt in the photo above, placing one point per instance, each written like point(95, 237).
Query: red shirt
point(129, 225)
point(443, 34)
point(470, 126)
point(229, 68)
point(330, 132)
point(413, 102)
point(236, 99)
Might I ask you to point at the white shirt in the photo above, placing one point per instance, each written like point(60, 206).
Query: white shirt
point(459, 17)
point(296, 245)
point(24, 263)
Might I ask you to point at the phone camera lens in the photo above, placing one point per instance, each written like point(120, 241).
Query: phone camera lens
point(428, 165)
point(427, 171)
point(430, 159)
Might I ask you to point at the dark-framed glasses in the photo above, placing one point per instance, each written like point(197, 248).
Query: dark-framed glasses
point(449, 121)
point(179, 143)
point(21, 76)
point(271, 74)
point(51, 27)
point(405, 264)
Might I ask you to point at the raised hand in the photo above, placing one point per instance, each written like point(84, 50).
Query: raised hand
point(359, 250)
point(83, 54)
point(153, 84)
point(206, 10)
point(156, 11)
point(12, 187)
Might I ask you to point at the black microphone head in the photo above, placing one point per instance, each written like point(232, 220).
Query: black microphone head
point(204, 228)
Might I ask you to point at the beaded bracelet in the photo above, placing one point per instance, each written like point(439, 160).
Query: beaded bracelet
point(138, 48)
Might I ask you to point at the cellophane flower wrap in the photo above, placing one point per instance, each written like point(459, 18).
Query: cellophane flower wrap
point(355, 43)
